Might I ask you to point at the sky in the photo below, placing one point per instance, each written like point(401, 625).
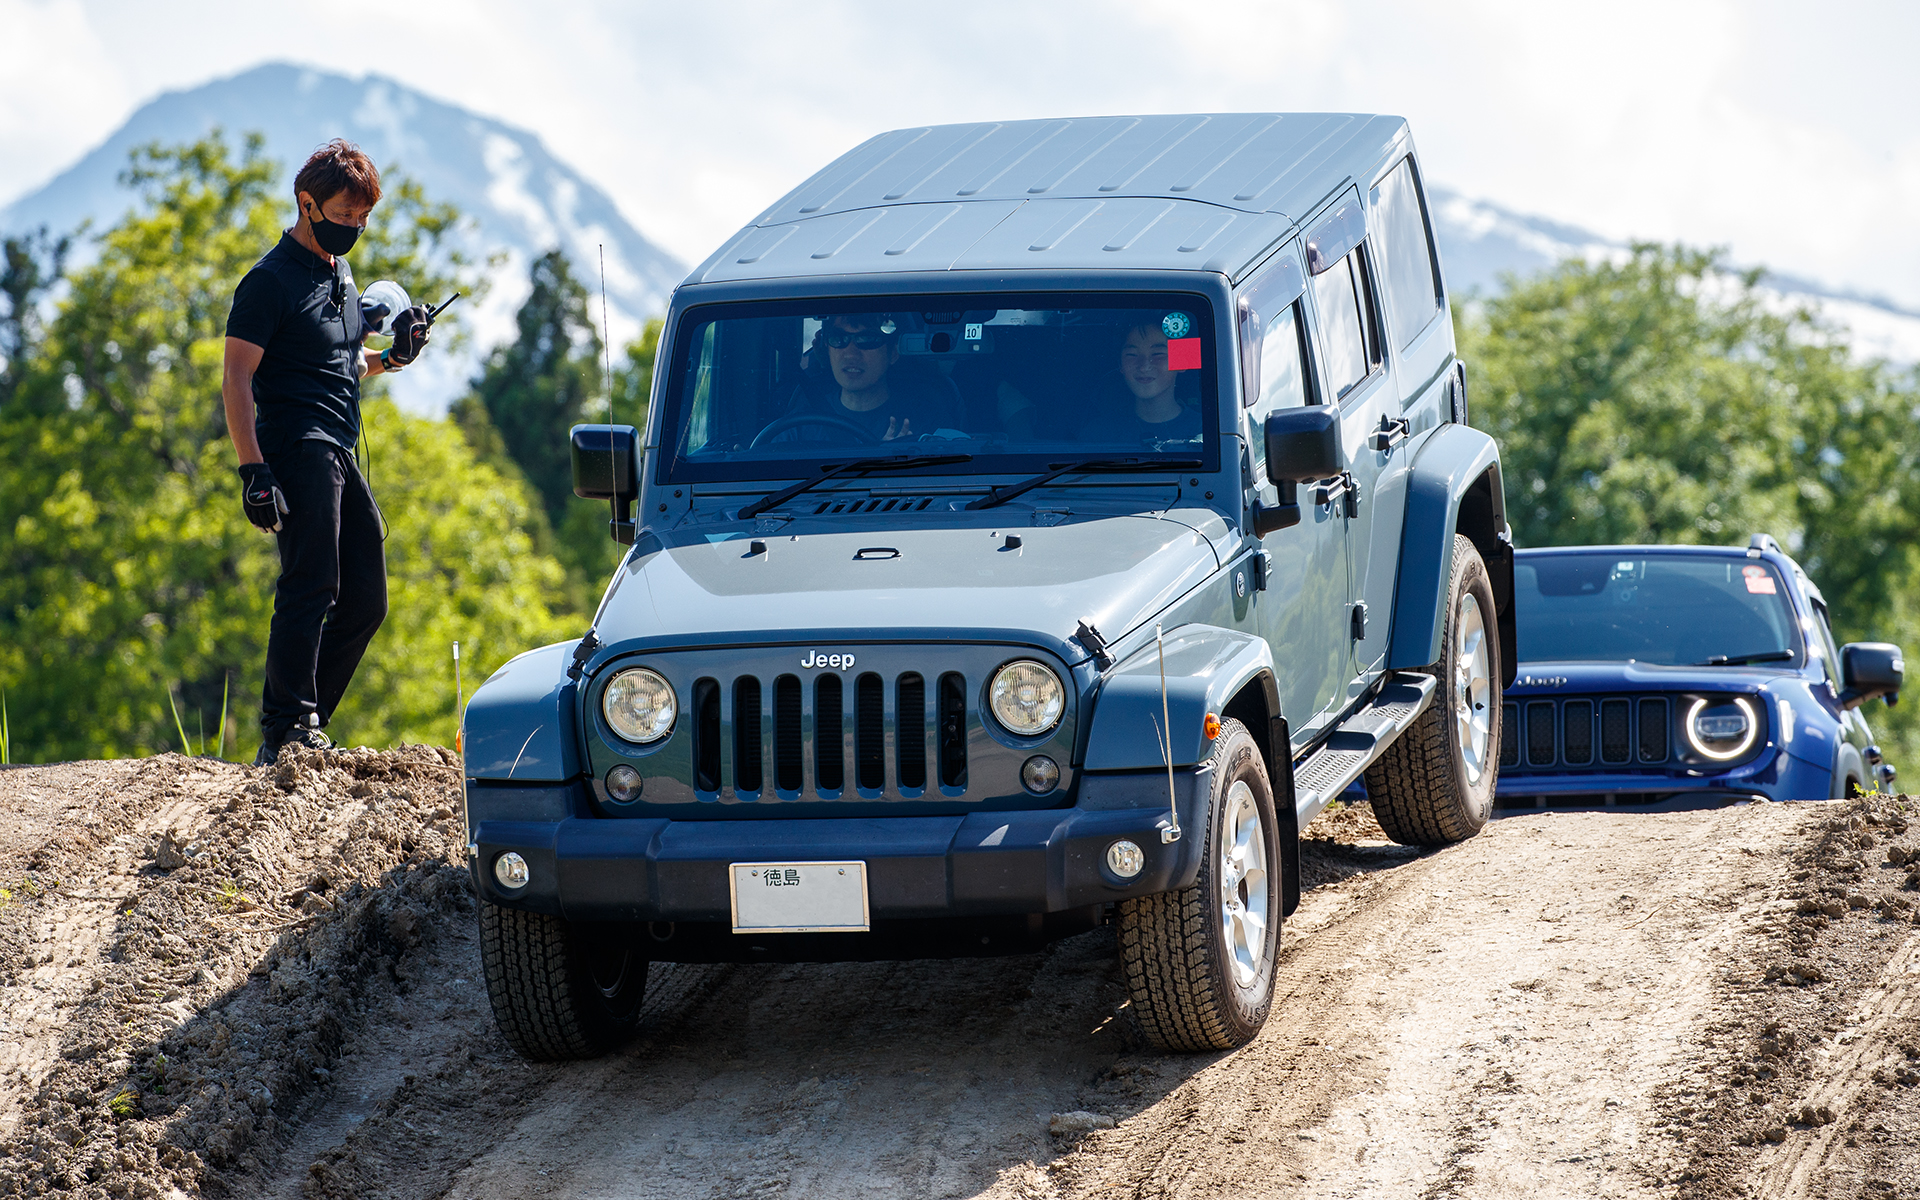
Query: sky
point(1784, 132)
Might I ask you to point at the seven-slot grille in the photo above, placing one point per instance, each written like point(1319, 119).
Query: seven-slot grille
point(867, 732)
point(1617, 731)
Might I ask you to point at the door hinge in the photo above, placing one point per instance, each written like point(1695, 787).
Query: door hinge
point(1359, 621)
point(1392, 431)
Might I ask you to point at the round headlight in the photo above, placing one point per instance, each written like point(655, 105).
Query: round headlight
point(1026, 698)
point(1721, 731)
point(639, 705)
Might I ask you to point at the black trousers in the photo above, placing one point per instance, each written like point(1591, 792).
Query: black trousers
point(332, 591)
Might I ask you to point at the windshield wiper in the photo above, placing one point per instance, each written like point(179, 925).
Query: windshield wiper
point(1727, 660)
point(858, 466)
point(1000, 495)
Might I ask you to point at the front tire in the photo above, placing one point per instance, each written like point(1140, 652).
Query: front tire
point(559, 989)
point(1199, 962)
point(1434, 785)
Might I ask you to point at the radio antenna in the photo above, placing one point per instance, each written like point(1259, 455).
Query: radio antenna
point(606, 335)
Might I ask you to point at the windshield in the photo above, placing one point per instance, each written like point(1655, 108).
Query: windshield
point(1015, 382)
point(1667, 609)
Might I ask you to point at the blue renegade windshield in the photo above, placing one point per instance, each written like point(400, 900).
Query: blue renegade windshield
point(1016, 383)
point(1664, 609)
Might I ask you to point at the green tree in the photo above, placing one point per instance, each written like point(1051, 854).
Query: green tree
point(132, 570)
point(536, 388)
point(29, 265)
point(1662, 398)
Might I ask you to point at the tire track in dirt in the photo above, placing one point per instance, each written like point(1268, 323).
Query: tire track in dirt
point(1492, 1020)
point(1869, 1051)
point(81, 925)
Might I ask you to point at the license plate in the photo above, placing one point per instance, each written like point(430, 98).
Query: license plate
point(807, 897)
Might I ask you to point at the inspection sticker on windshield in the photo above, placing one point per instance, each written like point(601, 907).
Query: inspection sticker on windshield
point(1759, 580)
point(807, 897)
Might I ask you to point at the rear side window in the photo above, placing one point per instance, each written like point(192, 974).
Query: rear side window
point(1406, 254)
point(1340, 293)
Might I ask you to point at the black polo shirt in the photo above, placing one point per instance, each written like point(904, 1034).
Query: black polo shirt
point(308, 384)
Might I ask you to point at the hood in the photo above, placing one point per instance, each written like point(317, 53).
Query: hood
point(1576, 679)
point(941, 581)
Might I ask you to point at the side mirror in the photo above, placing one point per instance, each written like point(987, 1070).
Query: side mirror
point(1303, 444)
point(606, 466)
point(1870, 669)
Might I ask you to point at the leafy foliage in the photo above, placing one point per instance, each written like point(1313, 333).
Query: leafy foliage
point(1662, 399)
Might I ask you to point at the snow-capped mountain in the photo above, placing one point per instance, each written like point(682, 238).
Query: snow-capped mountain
point(1481, 241)
point(520, 199)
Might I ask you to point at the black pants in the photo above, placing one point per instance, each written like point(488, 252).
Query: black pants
point(332, 592)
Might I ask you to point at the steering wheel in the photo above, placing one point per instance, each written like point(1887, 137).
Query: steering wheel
point(794, 422)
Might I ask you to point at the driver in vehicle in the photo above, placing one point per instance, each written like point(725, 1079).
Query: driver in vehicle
point(852, 379)
point(1155, 405)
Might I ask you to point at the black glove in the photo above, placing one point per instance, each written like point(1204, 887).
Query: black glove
point(260, 496)
point(410, 331)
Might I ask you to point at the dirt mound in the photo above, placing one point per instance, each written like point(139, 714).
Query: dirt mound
point(1810, 1074)
point(190, 948)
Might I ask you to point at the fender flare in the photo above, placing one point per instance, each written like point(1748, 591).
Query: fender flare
point(1454, 486)
point(519, 724)
point(1208, 669)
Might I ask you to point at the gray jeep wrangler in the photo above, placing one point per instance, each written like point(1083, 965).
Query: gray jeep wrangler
point(1038, 523)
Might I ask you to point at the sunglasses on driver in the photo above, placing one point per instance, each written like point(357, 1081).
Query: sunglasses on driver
point(840, 339)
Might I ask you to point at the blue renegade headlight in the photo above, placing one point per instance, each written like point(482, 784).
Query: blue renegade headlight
point(1721, 730)
point(639, 705)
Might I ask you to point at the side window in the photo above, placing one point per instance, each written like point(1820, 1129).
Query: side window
point(1283, 380)
point(1406, 254)
point(1346, 320)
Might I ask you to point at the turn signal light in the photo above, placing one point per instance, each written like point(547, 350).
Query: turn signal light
point(1211, 726)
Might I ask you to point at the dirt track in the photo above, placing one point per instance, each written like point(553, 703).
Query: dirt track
point(221, 981)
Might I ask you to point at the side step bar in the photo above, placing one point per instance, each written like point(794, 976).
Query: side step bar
point(1358, 741)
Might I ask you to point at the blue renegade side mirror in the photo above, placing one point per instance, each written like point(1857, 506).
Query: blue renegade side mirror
point(1303, 444)
point(606, 467)
point(1869, 669)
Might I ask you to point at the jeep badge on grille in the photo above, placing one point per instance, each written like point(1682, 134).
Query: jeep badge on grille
point(816, 659)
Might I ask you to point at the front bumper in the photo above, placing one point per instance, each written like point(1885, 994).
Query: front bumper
point(588, 868)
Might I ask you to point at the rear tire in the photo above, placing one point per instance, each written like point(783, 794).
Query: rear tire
point(559, 989)
point(1434, 786)
point(1199, 962)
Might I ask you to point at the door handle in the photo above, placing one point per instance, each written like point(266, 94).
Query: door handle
point(1392, 431)
point(1339, 487)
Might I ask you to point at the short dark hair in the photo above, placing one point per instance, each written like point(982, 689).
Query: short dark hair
point(339, 166)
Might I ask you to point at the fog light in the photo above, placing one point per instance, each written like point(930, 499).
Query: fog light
point(1125, 859)
point(623, 783)
point(511, 870)
point(1040, 773)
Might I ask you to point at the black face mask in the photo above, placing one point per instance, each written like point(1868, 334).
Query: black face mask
point(332, 236)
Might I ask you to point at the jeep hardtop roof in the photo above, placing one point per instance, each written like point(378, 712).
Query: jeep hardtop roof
point(1205, 192)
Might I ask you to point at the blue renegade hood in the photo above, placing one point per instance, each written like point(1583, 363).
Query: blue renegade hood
point(688, 587)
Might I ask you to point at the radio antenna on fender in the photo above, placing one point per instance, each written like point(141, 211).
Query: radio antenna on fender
point(1172, 832)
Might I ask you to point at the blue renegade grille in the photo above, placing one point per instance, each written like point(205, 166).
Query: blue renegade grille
point(900, 730)
point(1614, 731)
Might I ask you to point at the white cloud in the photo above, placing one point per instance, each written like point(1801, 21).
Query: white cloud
point(1781, 131)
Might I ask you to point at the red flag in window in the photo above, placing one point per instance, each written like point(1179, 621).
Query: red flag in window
point(1183, 354)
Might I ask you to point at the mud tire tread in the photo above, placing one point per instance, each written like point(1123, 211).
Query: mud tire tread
point(543, 1000)
point(1414, 786)
point(1178, 994)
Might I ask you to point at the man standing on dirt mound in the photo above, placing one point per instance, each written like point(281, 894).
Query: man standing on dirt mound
point(291, 387)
